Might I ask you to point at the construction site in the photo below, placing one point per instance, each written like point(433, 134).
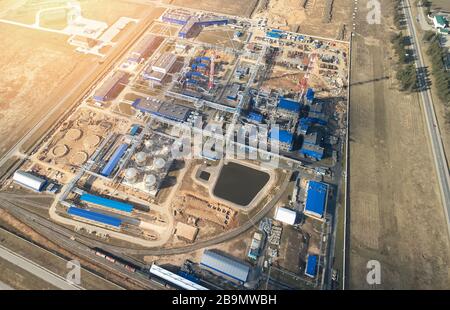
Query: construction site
point(276, 96)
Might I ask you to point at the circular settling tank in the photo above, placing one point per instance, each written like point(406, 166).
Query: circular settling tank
point(60, 151)
point(73, 134)
point(92, 141)
point(79, 158)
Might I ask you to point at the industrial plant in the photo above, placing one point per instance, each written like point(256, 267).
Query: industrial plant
point(112, 166)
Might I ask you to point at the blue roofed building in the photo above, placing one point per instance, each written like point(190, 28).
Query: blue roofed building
point(311, 266)
point(98, 218)
point(310, 95)
point(316, 199)
point(107, 203)
point(283, 137)
point(303, 126)
point(255, 117)
point(315, 152)
point(225, 266)
point(114, 160)
point(288, 107)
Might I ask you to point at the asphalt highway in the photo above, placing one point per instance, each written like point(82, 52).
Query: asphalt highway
point(430, 117)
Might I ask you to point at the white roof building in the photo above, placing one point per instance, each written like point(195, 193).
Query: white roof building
point(175, 279)
point(225, 266)
point(29, 181)
point(286, 216)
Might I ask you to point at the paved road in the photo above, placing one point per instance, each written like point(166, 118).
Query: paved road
point(5, 287)
point(37, 270)
point(431, 120)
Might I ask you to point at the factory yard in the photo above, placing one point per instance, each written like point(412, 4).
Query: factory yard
point(396, 215)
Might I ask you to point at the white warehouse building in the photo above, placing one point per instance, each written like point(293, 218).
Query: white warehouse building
point(286, 216)
point(29, 181)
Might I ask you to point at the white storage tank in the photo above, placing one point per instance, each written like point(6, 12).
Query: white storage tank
point(141, 158)
point(150, 181)
point(159, 163)
point(28, 180)
point(131, 175)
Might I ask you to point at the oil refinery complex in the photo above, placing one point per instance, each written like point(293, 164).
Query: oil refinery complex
point(278, 97)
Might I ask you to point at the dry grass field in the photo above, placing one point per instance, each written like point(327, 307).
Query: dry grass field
point(40, 68)
point(231, 7)
point(396, 216)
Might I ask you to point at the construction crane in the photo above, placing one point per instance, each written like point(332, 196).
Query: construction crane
point(303, 84)
point(212, 71)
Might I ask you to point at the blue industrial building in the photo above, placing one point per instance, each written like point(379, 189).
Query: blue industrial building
point(108, 203)
point(313, 151)
point(310, 95)
point(190, 23)
point(94, 216)
point(311, 266)
point(285, 138)
point(316, 199)
point(114, 160)
point(134, 129)
point(303, 126)
point(255, 117)
point(289, 107)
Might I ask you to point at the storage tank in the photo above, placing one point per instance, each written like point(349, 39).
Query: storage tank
point(131, 175)
point(159, 163)
point(141, 158)
point(150, 182)
point(148, 143)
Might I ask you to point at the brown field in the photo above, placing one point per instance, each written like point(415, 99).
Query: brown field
point(396, 216)
point(39, 69)
point(20, 279)
point(34, 64)
point(443, 5)
point(290, 15)
point(231, 7)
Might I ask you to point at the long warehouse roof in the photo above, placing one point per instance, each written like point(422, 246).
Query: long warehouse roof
point(115, 158)
point(28, 180)
point(175, 279)
point(113, 204)
point(225, 265)
point(94, 216)
point(289, 105)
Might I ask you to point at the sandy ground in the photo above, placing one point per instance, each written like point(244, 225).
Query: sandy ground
point(290, 15)
point(396, 216)
point(443, 5)
point(231, 7)
point(33, 66)
point(38, 68)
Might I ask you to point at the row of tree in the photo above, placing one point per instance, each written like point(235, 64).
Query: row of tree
point(438, 58)
point(406, 72)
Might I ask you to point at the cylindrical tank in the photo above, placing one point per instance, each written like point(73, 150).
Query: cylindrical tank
point(150, 181)
point(131, 175)
point(148, 143)
point(159, 163)
point(141, 158)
